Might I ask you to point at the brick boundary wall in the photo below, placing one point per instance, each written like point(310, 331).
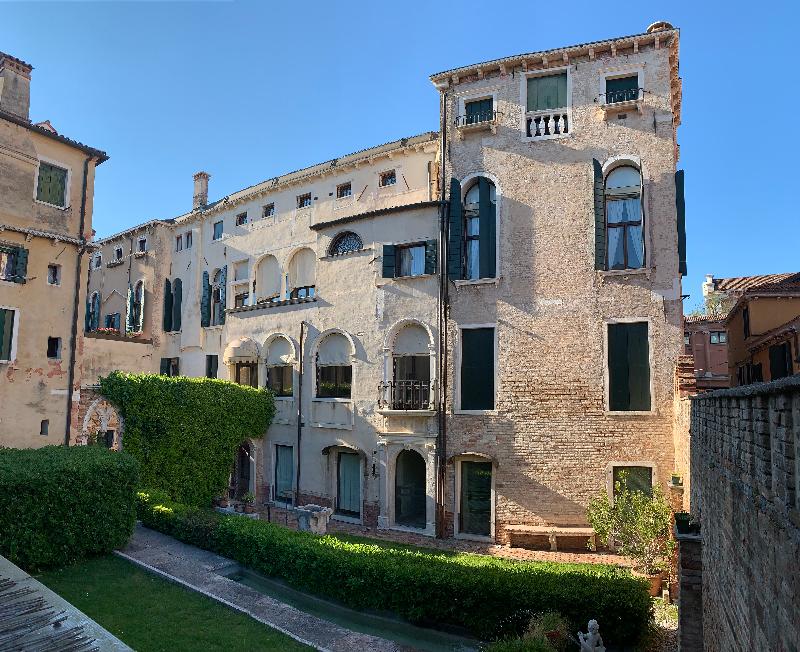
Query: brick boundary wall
point(745, 458)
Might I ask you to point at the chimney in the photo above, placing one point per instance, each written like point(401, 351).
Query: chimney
point(15, 86)
point(200, 198)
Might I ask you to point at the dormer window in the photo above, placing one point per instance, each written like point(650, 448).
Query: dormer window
point(388, 178)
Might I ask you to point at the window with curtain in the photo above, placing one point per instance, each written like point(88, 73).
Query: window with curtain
point(625, 236)
point(8, 263)
point(301, 279)
point(410, 259)
point(628, 367)
point(547, 92)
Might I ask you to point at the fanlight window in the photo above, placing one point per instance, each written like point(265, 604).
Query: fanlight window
point(344, 243)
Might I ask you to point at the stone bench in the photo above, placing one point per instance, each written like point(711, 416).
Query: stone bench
point(552, 532)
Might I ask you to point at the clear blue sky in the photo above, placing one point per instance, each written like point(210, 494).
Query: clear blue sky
point(250, 90)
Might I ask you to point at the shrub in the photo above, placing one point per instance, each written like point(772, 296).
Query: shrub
point(58, 505)
point(184, 432)
point(421, 585)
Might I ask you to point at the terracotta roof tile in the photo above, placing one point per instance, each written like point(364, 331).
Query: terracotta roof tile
point(738, 284)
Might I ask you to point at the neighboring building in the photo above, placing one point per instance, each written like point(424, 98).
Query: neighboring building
point(706, 340)
point(45, 223)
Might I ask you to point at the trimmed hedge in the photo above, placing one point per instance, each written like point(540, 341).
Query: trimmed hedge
point(58, 505)
point(489, 597)
point(184, 432)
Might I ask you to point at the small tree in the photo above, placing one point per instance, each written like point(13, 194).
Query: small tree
point(636, 524)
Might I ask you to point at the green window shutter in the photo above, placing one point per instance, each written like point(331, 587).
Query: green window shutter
point(639, 366)
point(177, 299)
point(618, 369)
point(116, 320)
point(21, 271)
point(223, 281)
point(205, 302)
point(477, 369)
point(96, 312)
point(628, 367)
point(388, 265)
point(599, 217)
point(680, 204)
point(167, 306)
point(164, 371)
point(487, 246)
point(6, 333)
point(87, 319)
point(129, 325)
point(455, 266)
point(140, 323)
point(431, 254)
point(547, 92)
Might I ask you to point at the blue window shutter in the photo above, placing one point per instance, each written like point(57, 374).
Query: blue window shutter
point(167, 317)
point(205, 302)
point(455, 266)
point(116, 320)
point(431, 255)
point(223, 280)
point(388, 265)
point(680, 204)
point(21, 271)
point(487, 246)
point(599, 217)
point(129, 325)
point(177, 299)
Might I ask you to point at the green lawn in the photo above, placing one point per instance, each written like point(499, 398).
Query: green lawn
point(149, 613)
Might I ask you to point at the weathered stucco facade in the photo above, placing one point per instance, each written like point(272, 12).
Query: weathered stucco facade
point(46, 190)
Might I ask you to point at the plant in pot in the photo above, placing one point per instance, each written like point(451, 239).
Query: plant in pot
point(222, 500)
point(637, 525)
point(248, 500)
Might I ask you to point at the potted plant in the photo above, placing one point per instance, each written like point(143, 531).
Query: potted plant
point(222, 501)
point(637, 525)
point(238, 507)
point(249, 499)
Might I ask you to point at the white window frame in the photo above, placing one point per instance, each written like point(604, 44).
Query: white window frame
point(615, 72)
point(458, 360)
point(179, 242)
point(188, 240)
point(606, 373)
point(58, 274)
point(14, 335)
point(67, 184)
point(346, 197)
point(476, 96)
point(121, 253)
point(523, 94)
point(97, 261)
point(310, 196)
point(390, 185)
point(472, 457)
point(222, 233)
point(264, 210)
point(141, 239)
point(615, 463)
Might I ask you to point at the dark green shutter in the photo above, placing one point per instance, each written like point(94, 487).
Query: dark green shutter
point(87, 319)
point(455, 266)
point(599, 217)
point(628, 367)
point(177, 299)
point(116, 320)
point(21, 271)
point(618, 370)
point(547, 92)
point(223, 289)
point(389, 265)
point(5, 339)
point(129, 325)
point(639, 366)
point(205, 302)
point(487, 246)
point(431, 253)
point(167, 306)
point(96, 312)
point(477, 369)
point(164, 367)
point(680, 204)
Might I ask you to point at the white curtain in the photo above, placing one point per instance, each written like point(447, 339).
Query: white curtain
point(268, 278)
point(334, 350)
point(280, 352)
point(411, 340)
point(302, 269)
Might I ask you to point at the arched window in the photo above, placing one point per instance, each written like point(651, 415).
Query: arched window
point(411, 369)
point(93, 312)
point(268, 279)
point(480, 208)
point(334, 369)
point(280, 370)
point(300, 280)
point(218, 298)
point(409, 490)
point(624, 232)
point(344, 243)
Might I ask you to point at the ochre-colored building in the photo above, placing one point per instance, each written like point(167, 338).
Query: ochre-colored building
point(46, 191)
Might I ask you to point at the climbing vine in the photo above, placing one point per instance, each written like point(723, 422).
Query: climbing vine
point(184, 432)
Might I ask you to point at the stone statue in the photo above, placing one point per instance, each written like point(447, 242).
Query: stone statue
point(592, 642)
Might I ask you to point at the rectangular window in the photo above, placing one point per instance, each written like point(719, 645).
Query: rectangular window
point(348, 495)
point(217, 230)
point(475, 500)
point(780, 360)
point(188, 239)
point(44, 427)
point(98, 261)
point(634, 478)
point(477, 369)
point(746, 321)
point(279, 380)
point(687, 339)
point(410, 259)
point(240, 300)
point(388, 178)
point(304, 200)
point(170, 367)
point(51, 187)
point(411, 386)
point(478, 111)
point(246, 373)
point(54, 274)
point(547, 92)
point(179, 243)
point(334, 381)
point(113, 321)
point(719, 337)
point(344, 190)
point(54, 348)
point(284, 473)
point(628, 367)
point(8, 263)
point(269, 210)
point(142, 245)
point(622, 89)
point(117, 253)
point(7, 318)
point(212, 364)
point(241, 219)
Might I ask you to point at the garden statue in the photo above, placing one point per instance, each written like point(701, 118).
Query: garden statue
point(591, 642)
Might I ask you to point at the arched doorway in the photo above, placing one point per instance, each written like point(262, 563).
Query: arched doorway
point(409, 490)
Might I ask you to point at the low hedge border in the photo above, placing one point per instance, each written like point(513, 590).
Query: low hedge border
point(487, 596)
point(59, 505)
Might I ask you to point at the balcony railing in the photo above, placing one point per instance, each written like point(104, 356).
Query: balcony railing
point(543, 124)
point(482, 118)
point(405, 395)
point(624, 95)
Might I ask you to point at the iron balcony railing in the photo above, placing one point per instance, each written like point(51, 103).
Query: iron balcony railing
point(623, 95)
point(474, 119)
point(405, 395)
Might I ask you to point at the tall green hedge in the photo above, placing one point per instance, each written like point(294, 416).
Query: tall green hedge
point(488, 596)
point(184, 432)
point(58, 504)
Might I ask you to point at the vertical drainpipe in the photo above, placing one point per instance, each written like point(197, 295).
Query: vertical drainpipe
point(299, 415)
point(73, 338)
point(441, 447)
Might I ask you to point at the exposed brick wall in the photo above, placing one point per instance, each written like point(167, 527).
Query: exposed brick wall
point(745, 478)
point(685, 386)
point(690, 574)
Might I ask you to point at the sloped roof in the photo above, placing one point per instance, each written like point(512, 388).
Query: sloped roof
point(738, 284)
point(697, 319)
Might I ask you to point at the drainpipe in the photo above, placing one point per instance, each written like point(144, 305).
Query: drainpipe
point(299, 414)
point(73, 339)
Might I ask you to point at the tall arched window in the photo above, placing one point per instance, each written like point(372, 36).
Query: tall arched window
point(411, 369)
point(280, 370)
point(218, 298)
point(624, 232)
point(300, 280)
point(334, 369)
point(480, 209)
point(268, 279)
point(344, 243)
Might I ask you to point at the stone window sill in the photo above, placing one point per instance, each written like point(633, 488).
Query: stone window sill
point(478, 281)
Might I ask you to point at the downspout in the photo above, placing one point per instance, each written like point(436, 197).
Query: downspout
point(73, 339)
point(299, 414)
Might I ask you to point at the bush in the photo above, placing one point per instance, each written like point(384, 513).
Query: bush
point(423, 586)
point(58, 505)
point(184, 432)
